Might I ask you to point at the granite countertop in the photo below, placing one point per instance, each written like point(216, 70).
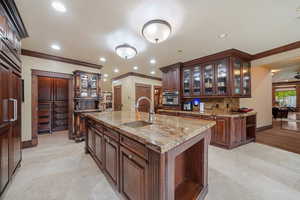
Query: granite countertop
point(213, 113)
point(165, 133)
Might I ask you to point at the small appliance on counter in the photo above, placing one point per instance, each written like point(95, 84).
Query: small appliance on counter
point(201, 107)
point(170, 98)
point(188, 106)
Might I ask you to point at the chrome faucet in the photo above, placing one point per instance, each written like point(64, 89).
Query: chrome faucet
point(151, 110)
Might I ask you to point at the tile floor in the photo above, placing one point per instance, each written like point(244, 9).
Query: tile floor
point(58, 169)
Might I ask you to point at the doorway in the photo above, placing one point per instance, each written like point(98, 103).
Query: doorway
point(52, 103)
point(143, 90)
point(118, 98)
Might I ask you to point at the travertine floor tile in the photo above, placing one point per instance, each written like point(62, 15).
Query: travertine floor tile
point(58, 169)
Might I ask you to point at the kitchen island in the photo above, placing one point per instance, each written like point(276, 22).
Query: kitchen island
point(162, 160)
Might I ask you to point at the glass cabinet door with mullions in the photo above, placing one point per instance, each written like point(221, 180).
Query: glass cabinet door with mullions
point(246, 79)
point(237, 77)
point(208, 79)
point(197, 81)
point(187, 82)
point(222, 77)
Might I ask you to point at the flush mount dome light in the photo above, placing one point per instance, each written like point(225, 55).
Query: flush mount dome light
point(126, 51)
point(157, 30)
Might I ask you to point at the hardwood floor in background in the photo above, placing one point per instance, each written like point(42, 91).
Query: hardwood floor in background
point(280, 138)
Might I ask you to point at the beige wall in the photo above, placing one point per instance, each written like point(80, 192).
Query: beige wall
point(261, 100)
point(128, 90)
point(46, 65)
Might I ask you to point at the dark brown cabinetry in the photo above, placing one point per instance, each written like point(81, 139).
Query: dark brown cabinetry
point(87, 96)
point(139, 171)
point(111, 154)
point(4, 157)
point(11, 31)
point(225, 74)
point(53, 97)
point(171, 78)
point(229, 132)
point(134, 170)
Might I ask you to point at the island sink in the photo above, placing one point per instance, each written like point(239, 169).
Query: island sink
point(164, 161)
point(137, 124)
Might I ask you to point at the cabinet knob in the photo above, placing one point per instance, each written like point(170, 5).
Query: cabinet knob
point(130, 156)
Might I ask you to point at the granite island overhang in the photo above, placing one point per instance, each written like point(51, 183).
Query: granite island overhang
point(164, 160)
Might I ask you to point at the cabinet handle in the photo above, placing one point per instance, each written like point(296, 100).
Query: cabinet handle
point(15, 109)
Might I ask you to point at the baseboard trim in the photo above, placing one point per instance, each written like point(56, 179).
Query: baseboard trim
point(263, 128)
point(28, 144)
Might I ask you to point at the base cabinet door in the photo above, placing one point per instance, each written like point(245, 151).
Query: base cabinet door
point(99, 141)
point(4, 170)
point(221, 130)
point(133, 177)
point(111, 149)
point(91, 139)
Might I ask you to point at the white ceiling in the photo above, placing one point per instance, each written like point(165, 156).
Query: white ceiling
point(287, 69)
point(92, 28)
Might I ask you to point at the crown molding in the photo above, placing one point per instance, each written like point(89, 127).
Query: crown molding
point(36, 54)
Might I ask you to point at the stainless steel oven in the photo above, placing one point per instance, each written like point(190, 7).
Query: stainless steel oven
point(171, 98)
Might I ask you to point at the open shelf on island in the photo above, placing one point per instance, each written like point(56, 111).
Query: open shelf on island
point(189, 172)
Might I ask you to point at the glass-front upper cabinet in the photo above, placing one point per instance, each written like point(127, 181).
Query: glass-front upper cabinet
point(187, 82)
point(246, 79)
point(209, 79)
point(222, 77)
point(237, 77)
point(196, 81)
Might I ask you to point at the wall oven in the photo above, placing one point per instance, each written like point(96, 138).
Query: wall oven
point(170, 98)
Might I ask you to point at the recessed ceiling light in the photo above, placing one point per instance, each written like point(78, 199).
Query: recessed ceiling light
point(152, 61)
point(152, 72)
point(116, 70)
point(104, 79)
point(102, 59)
point(105, 75)
point(55, 46)
point(135, 67)
point(58, 6)
point(223, 35)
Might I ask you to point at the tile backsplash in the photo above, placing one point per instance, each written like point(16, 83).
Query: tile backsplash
point(220, 104)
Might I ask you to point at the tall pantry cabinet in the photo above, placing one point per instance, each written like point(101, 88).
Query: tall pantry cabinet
point(12, 30)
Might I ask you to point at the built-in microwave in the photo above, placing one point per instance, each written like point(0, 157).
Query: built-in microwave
point(170, 98)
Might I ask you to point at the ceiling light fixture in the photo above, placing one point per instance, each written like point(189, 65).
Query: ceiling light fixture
point(223, 35)
point(152, 72)
point(116, 70)
point(104, 79)
point(156, 31)
point(102, 59)
point(152, 61)
point(135, 67)
point(126, 51)
point(58, 6)
point(105, 75)
point(55, 47)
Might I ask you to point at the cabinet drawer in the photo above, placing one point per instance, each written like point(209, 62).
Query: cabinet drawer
point(99, 127)
point(112, 134)
point(135, 147)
